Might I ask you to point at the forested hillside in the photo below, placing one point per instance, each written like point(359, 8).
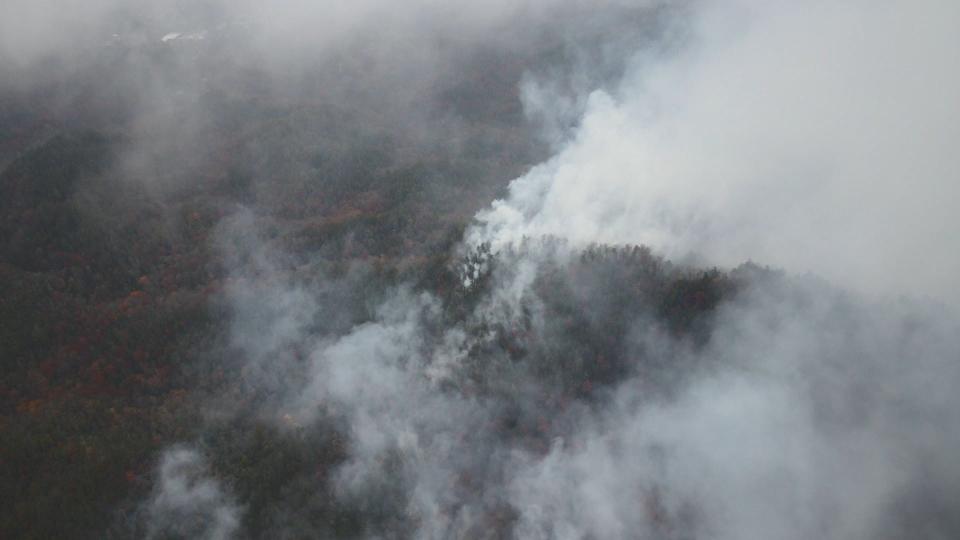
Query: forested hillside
point(473, 271)
point(118, 269)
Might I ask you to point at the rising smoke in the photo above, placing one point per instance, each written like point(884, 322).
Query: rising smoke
point(817, 137)
point(187, 502)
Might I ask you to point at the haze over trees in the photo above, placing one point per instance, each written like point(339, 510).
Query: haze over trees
point(537, 269)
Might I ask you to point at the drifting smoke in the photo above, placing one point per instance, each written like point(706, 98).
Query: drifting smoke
point(817, 137)
point(820, 418)
point(808, 412)
point(188, 503)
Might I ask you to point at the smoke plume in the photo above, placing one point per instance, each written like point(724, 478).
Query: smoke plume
point(818, 137)
point(555, 379)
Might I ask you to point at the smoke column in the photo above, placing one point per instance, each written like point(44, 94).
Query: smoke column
point(815, 137)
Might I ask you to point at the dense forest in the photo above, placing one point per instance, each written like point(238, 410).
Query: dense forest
point(119, 278)
point(251, 293)
point(117, 319)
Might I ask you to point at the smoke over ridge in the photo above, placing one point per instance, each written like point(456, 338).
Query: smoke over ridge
point(591, 355)
point(804, 136)
point(819, 138)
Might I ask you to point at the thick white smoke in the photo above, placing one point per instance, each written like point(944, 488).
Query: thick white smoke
point(816, 136)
